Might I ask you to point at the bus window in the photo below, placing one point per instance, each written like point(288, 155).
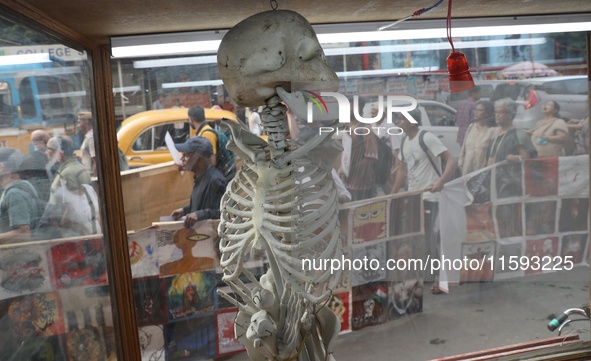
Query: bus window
point(7, 110)
point(27, 99)
point(59, 98)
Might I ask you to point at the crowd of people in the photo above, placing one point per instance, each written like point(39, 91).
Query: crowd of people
point(48, 193)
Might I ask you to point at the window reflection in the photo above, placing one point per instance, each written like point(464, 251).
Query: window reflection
point(54, 298)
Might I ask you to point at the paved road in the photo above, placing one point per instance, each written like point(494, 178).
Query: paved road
point(472, 317)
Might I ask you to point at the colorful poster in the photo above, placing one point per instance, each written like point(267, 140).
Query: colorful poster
point(369, 222)
point(573, 247)
point(540, 213)
point(184, 250)
point(405, 276)
point(190, 294)
point(479, 223)
point(370, 305)
point(143, 252)
point(226, 340)
point(79, 263)
point(340, 304)
point(36, 315)
point(150, 300)
point(23, 270)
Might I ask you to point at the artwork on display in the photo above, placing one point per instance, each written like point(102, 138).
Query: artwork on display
point(191, 339)
point(405, 281)
point(540, 210)
point(32, 316)
point(370, 222)
point(508, 180)
point(340, 304)
point(152, 343)
point(478, 186)
point(369, 264)
point(541, 177)
point(573, 247)
point(183, 250)
point(479, 223)
point(79, 263)
point(573, 176)
point(482, 270)
point(150, 301)
point(405, 215)
point(509, 220)
point(370, 305)
point(24, 270)
point(190, 294)
point(143, 252)
point(226, 341)
point(540, 218)
point(91, 343)
point(376, 293)
point(574, 215)
point(542, 248)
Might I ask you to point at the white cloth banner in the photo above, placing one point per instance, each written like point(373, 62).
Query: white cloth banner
point(515, 219)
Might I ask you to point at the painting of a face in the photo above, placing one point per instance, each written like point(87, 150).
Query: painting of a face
point(369, 222)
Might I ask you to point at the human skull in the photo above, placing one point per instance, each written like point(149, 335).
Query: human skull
point(271, 49)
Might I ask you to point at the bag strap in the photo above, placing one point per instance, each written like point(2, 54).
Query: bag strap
point(92, 210)
point(423, 147)
point(217, 139)
point(426, 150)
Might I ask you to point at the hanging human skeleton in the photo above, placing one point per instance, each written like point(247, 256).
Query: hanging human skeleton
point(283, 201)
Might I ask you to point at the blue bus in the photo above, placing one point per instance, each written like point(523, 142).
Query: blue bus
point(39, 96)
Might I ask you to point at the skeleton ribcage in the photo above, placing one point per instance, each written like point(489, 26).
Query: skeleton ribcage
point(289, 214)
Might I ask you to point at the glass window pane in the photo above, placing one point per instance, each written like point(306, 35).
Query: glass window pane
point(508, 214)
point(54, 295)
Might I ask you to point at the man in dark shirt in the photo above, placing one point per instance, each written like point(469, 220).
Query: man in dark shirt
point(209, 186)
point(19, 211)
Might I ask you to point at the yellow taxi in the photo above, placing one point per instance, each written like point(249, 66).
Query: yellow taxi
point(141, 137)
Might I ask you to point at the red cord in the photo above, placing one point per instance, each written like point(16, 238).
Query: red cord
point(448, 26)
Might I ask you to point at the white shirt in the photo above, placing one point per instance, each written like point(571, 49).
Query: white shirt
point(76, 212)
point(420, 172)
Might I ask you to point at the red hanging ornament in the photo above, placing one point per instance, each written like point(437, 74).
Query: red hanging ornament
point(460, 78)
